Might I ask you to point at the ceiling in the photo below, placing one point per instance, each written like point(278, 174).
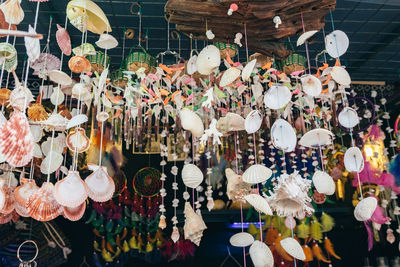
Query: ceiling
point(373, 30)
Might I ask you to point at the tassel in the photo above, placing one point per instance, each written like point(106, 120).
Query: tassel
point(308, 252)
point(316, 232)
point(317, 251)
point(370, 236)
point(271, 236)
point(327, 222)
point(329, 248)
point(252, 229)
point(303, 230)
point(281, 251)
point(149, 247)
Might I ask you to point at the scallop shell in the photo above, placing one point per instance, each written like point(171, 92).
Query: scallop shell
point(261, 255)
point(241, 240)
point(253, 121)
point(21, 195)
point(51, 162)
point(77, 120)
point(229, 76)
point(324, 183)
point(71, 191)
point(192, 176)
point(256, 174)
point(316, 137)
point(353, 160)
point(77, 141)
point(190, 121)
point(365, 208)
point(79, 64)
point(248, 69)
point(75, 214)
point(208, 59)
point(63, 40)
point(42, 206)
point(4, 96)
point(259, 203)
point(283, 136)
point(57, 97)
point(107, 41)
point(100, 185)
point(16, 141)
point(312, 86)
point(341, 76)
point(348, 118)
point(293, 248)
point(277, 96)
point(60, 77)
point(13, 13)
point(32, 46)
point(84, 50)
point(305, 36)
point(37, 133)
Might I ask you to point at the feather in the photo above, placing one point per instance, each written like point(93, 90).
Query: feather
point(329, 248)
point(315, 229)
point(303, 230)
point(271, 236)
point(308, 252)
point(281, 251)
point(317, 251)
point(378, 216)
point(327, 222)
point(370, 236)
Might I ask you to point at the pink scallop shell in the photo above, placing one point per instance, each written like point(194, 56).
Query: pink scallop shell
point(64, 40)
point(5, 218)
point(71, 191)
point(100, 185)
point(75, 214)
point(42, 205)
point(22, 192)
point(10, 201)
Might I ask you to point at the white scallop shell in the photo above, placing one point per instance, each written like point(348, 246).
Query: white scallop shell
point(229, 76)
point(277, 96)
point(248, 69)
point(324, 183)
point(365, 208)
point(256, 174)
point(316, 137)
point(77, 120)
point(242, 239)
point(293, 248)
point(60, 77)
point(283, 136)
point(253, 121)
point(57, 97)
point(208, 59)
point(191, 67)
point(259, 203)
point(341, 76)
point(261, 255)
point(312, 86)
point(51, 162)
point(71, 191)
point(190, 121)
point(336, 43)
point(192, 176)
point(57, 145)
point(348, 118)
point(353, 160)
point(37, 133)
point(305, 36)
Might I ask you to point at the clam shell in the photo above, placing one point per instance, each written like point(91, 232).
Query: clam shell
point(353, 160)
point(341, 76)
point(336, 43)
point(192, 176)
point(57, 97)
point(259, 203)
point(241, 240)
point(248, 69)
point(37, 152)
point(107, 41)
point(208, 59)
point(191, 67)
point(277, 97)
point(324, 183)
point(316, 137)
point(261, 255)
point(36, 132)
point(42, 206)
point(365, 208)
point(190, 121)
point(253, 121)
point(256, 174)
point(312, 86)
point(348, 118)
point(100, 185)
point(293, 248)
point(283, 136)
point(71, 191)
point(63, 40)
point(229, 76)
point(51, 162)
point(305, 36)
point(75, 214)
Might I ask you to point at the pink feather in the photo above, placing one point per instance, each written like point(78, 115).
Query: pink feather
point(370, 236)
point(374, 133)
point(378, 216)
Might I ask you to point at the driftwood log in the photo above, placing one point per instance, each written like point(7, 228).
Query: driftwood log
point(194, 16)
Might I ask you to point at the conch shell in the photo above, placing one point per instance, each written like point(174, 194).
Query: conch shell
point(194, 225)
point(236, 189)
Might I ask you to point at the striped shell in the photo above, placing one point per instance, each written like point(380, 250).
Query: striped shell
point(13, 13)
point(71, 191)
point(100, 185)
point(42, 206)
point(79, 64)
point(16, 141)
point(63, 40)
point(77, 141)
point(192, 176)
point(36, 112)
point(293, 248)
point(256, 174)
point(21, 195)
point(259, 203)
point(75, 214)
point(241, 239)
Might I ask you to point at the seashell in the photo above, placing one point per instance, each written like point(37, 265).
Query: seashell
point(256, 173)
point(293, 248)
point(32, 45)
point(20, 97)
point(77, 141)
point(37, 152)
point(324, 183)
point(57, 97)
point(290, 222)
point(242, 239)
point(60, 77)
point(63, 40)
point(21, 195)
point(229, 76)
point(77, 120)
point(84, 50)
point(51, 162)
point(208, 60)
point(79, 64)
point(312, 86)
point(336, 43)
point(175, 234)
point(45, 64)
point(248, 69)
point(283, 136)
point(4, 25)
point(16, 141)
point(102, 116)
point(316, 138)
point(100, 185)
point(192, 176)
point(353, 160)
point(253, 121)
point(190, 121)
point(13, 13)
point(71, 191)
point(75, 214)
point(4, 96)
point(236, 189)
point(2, 193)
point(42, 206)
point(191, 67)
point(194, 225)
point(261, 255)
point(5, 218)
point(36, 112)
point(55, 122)
point(365, 208)
point(348, 117)
point(305, 36)
point(56, 145)
point(341, 76)
point(107, 41)
point(277, 97)
point(230, 123)
point(9, 201)
point(259, 203)
point(80, 91)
